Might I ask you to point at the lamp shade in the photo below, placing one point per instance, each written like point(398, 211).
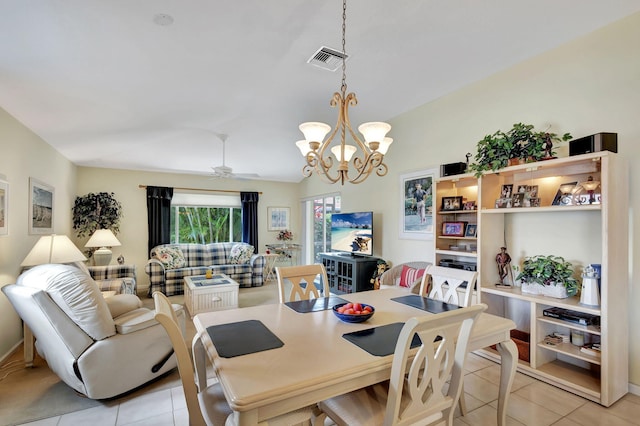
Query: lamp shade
point(314, 131)
point(103, 238)
point(53, 249)
point(349, 150)
point(374, 131)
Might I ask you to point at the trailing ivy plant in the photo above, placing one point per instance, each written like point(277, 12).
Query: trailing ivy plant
point(96, 211)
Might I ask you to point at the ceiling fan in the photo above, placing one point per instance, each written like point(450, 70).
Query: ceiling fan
point(226, 172)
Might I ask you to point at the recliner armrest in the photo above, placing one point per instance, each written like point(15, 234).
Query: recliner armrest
point(122, 303)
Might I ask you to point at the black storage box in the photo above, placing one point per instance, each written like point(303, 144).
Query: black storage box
point(452, 169)
point(594, 143)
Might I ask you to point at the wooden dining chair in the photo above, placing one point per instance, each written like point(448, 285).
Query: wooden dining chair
point(417, 391)
point(206, 405)
point(446, 283)
point(302, 279)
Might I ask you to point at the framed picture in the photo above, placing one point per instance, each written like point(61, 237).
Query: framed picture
point(507, 191)
point(471, 230)
point(4, 207)
point(278, 218)
point(518, 199)
point(41, 202)
point(564, 196)
point(451, 203)
point(416, 205)
point(469, 205)
point(453, 229)
point(503, 203)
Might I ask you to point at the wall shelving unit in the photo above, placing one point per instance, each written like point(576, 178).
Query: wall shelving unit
point(581, 232)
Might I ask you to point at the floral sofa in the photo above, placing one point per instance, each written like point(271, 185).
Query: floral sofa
point(170, 263)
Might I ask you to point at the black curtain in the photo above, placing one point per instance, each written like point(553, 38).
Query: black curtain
point(159, 215)
point(250, 218)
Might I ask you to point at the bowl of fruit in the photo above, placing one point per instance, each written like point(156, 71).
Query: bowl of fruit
point(353, 312)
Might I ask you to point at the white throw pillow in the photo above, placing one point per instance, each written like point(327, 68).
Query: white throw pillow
point(241, 253)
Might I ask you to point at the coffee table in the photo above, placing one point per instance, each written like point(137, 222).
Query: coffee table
point(203, 294)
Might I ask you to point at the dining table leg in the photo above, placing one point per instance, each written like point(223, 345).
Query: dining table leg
point(245, 418)
point(509, 361)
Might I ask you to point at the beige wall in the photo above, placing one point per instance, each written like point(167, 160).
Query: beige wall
point(22, 155)
point(588, 86)
point(133, 227)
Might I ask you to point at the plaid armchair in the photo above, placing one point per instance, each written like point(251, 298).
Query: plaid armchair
point(199, 258)
point(118, 278)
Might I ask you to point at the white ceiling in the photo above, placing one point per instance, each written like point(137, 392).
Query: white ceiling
point(108, 87)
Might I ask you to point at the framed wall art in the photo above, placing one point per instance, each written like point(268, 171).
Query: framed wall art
point(4, 207)
point(278, 218)
point(416, 204)
point(41, 207)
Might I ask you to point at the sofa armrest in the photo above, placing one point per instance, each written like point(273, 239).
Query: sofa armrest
point(110, 272)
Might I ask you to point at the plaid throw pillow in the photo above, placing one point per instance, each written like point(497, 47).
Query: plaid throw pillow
point(171, 257)
point(240, 254)
point(410, 276)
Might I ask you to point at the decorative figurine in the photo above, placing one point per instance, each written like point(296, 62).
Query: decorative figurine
point(121, 260)
point(504, 265)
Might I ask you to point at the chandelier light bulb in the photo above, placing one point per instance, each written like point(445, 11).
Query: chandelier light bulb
point(374, 131)
point(349, 150)
point(314, 131)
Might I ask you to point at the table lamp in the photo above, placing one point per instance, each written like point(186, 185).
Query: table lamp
point(102, 238)
point(53, 249)
point(590, 186)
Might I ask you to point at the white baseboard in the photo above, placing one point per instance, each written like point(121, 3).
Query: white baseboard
point(634, 389)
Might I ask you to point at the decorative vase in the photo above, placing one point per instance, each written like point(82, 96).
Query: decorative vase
point(532, 288)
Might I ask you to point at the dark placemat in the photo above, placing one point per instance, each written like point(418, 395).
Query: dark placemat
point(214, 280)
point(242, 338)
point(426, 304)
point(319, 304)
point(379, 341)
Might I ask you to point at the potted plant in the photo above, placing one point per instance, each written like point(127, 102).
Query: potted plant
point(518, 145)
point(549, 275)
point(96, 211)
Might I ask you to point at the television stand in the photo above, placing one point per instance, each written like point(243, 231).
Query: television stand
point(349, 273)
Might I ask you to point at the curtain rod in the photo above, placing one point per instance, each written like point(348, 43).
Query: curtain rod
point(201, 189)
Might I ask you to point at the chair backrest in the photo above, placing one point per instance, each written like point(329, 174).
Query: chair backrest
point(418, 396)
point(302, 279)
point(446, 282)
point(166, 316)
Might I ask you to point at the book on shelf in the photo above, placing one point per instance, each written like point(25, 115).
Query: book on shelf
point(592, 349)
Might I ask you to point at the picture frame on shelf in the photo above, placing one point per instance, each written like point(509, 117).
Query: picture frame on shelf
point(564, 196)
point(518, 199)
point(453, 229)
point(471, 230)
point(451, 203)
point(4, 207)
point(506, 191)
point(278, 218)
point(41, 207)
point(469, 205)
point(416, 206)
point(503, 203)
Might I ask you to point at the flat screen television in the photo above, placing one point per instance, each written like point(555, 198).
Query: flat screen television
point(352, 233)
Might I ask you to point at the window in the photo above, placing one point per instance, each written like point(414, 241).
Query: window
point(205, 218)
point(318, 212)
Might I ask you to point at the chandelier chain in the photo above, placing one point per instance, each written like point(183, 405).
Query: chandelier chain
point(344, 51)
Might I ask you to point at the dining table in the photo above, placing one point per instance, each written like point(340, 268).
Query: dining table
point(276, 358)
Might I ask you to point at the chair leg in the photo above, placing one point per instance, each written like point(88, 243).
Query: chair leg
point(462, 404)
point(318, 416)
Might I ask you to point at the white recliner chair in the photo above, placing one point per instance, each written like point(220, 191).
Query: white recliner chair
point(99, 347)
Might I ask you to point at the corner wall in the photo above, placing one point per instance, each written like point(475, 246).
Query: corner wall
point(25, 155)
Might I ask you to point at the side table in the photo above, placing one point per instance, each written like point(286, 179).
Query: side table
point(270, 260)
point(203, 294)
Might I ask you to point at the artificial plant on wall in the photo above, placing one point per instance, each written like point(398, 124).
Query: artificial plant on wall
point(96, 211)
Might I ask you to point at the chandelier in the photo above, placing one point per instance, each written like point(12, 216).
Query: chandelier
point(372, 149)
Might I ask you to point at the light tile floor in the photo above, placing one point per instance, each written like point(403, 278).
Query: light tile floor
point(531, 403)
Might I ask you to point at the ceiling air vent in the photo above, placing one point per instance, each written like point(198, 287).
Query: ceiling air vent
point(327, 58)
